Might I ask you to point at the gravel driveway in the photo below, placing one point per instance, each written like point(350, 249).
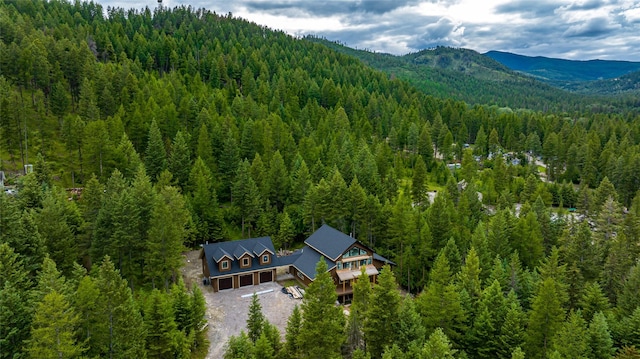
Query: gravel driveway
point(227, 310)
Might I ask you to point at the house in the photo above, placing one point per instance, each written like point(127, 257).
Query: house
point(344, 256)
point(253, 261)
point(240, 263)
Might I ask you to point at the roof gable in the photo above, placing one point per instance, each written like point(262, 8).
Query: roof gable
point(260, 248)
point(241, 251)
point(234, 250)
point(330, 242)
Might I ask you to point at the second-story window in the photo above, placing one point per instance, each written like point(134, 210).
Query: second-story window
point(265, 258)
point(225, 264)
point(245, 262)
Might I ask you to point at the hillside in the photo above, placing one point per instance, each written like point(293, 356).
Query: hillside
point(588, 77)
point(151, 132)
point(468, 76)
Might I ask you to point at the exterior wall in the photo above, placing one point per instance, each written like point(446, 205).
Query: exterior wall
point(205, 267)
point(305, 280)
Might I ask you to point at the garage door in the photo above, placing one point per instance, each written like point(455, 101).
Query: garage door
point(266, 277)
point(225, 283)
point(246, 279)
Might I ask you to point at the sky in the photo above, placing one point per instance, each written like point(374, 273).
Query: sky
point(569, 29)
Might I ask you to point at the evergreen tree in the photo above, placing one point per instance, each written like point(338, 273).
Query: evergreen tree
point(599, 338)
point(161, 330)
point(358, 311)
point(593, 300)
point(381, 324)
point(256, 320)
point(410, 331)
point(294, 324)
point(439, 304)
point(117, 329)
point(438, 346)
point(263, 349)
point(239, 347)
point(155, 159)
point(203, 203)
point(322, 331)
point(571, 340)
point(278, 181)
point(512, 332)
point(52, 330)
point(545, 318)
point(419, 182)
point(246, 196)
point(165, 242)
point(179, 163)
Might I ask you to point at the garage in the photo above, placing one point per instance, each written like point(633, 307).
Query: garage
point(266, 277)
point(246, 279)
point(225, 283)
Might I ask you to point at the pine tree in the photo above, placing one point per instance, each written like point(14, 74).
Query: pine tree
point(239, 347)
point(179, 163)
point(286, 232)
point(256, 319)
point(52, 330)
point(571, 340)
point(599, 338)
point(382, 314)
point(439, 304)
point(512, 332)
point(278, 181)
point(294, 324)
point(246, 196)
point(322, 331)
point(161, 330)
point(410, 331)
point(165, 241)
point(593, 300)
point(419, 182)
point(545, 318)
point(203, 202)
point(155, 159)
point(117, 329)
point(438, 346)
point(263, 349)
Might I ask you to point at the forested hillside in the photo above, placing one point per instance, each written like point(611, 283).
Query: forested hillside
point(468, 76)
point(181, 126)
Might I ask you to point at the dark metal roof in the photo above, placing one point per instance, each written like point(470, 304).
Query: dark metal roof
point(240, 251)
point(213, 249)
point(382, 259)
point(330, 242)
point(307, 260)
point(220, 253)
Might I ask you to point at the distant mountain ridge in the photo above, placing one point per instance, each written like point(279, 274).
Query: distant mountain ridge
point(562, 72)
point(469, 76)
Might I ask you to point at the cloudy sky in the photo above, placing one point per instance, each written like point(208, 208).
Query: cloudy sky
point(572, 29)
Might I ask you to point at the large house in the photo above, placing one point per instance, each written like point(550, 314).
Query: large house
point(252, 261)
point(344, 256)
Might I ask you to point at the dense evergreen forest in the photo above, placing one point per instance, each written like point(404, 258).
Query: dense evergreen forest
point(183, 126)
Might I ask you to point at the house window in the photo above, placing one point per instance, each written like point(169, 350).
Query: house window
point(339, 265)
point(225, 264)
point(265, 258)
point(355, 251)
point(245, 262)
point(300, 275)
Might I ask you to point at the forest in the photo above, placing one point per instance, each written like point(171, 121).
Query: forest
point(516, 232)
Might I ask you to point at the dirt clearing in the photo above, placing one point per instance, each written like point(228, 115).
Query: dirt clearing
point(227, 310)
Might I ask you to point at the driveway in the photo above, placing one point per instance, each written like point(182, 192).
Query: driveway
point(227, 311)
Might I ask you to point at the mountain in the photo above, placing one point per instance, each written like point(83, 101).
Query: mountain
point(468, 76)
point(579, 76)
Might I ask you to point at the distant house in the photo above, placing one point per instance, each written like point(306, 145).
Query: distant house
point(253, 261)
point(344, 256)
point(238, 264)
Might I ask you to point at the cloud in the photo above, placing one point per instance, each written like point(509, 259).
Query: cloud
point(577, 29)
point(597, 27)
point(529, 8)
point(327, 8)
point(443, 32)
